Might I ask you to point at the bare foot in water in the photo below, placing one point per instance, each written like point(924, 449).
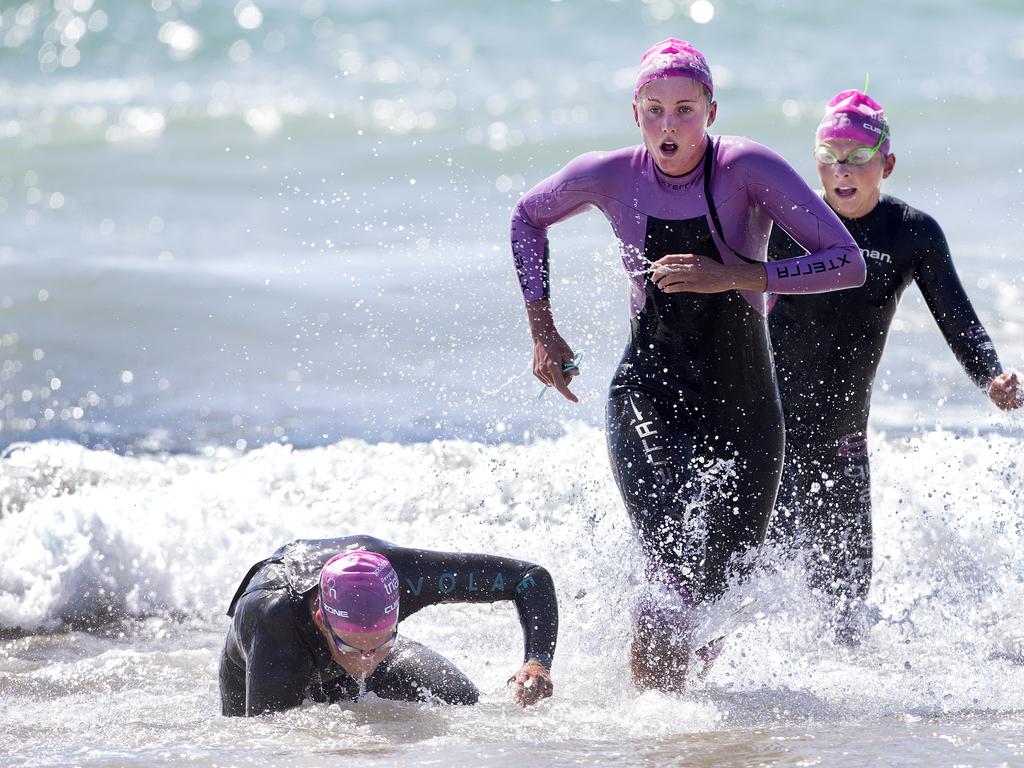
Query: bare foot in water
point(660, 657)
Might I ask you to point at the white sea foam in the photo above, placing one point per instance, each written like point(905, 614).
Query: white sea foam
point(90, 534)
point(86, 536)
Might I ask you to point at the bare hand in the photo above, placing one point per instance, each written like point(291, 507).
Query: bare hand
point(1005, 391)
point(693, 273)
point(531, 684)
point(550, 356)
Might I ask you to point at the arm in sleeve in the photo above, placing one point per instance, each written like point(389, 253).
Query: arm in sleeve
point(782, 246)
point(278, 668)
point(950, 306)
point(555, 199)
point(538, 613)
point(429, 578)
point(833, 260)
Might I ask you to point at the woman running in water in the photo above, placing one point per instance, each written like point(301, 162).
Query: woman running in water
point(694, 422)
point(825, 378)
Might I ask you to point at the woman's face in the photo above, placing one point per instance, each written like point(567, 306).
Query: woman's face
point(364, 651)
point(359, 665)
point(853, 190)
point(674, 114)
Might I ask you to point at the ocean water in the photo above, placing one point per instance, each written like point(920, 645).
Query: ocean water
point(256, 286)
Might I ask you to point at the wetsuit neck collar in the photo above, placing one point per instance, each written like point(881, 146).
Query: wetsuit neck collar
point(683, 181)
point(862, 218)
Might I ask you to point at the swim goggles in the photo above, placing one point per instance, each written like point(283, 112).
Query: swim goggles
point(344, 647)
point(572, 365)
point(825, 155)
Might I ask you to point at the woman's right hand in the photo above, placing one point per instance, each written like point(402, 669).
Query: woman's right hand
point(550, 355)
point(550, 352)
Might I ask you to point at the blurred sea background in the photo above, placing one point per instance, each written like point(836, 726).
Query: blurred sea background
point(256, 285)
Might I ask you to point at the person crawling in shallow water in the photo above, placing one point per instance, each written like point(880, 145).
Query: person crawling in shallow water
point(319, 619)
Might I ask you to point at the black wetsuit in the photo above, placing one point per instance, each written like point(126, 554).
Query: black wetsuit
point(695, 449)
point(827, 349)
point(275, 657)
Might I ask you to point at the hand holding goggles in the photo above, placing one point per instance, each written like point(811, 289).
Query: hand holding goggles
point(572, 365)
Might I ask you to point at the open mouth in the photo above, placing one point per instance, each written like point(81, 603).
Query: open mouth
point(669, 147)
point(845, 192)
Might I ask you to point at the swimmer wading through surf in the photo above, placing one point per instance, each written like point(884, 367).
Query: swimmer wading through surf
point(694, 422)
point(826, 375)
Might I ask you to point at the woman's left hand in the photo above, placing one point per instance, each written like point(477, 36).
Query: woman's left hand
point(693, 273)
point(1005, 391)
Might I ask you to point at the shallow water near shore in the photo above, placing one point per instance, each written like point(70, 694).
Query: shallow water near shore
point(936, 680)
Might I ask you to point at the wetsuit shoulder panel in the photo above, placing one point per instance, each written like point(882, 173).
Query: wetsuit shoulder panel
point(589, 180)
point(295, 567)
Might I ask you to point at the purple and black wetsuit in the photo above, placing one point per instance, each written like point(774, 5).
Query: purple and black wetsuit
point(825, 379)
point(695, 428)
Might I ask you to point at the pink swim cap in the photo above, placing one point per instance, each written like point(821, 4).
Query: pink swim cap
point(673, 58)
point(359, 592)
point(854, 115)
